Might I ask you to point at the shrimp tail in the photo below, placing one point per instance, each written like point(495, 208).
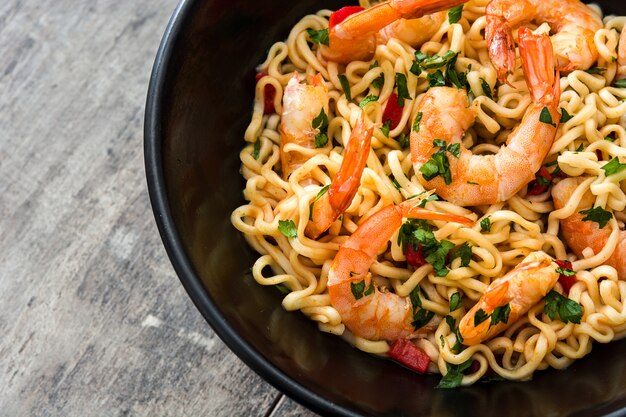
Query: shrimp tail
point(538, 65)
point(501, 45)
point(346, 182)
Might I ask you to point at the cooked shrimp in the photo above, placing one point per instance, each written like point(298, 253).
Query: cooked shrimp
point(377, 315)
point(355, 38)
point(580, 234)
point(488, 179)
point(301, 104)
point(345, 184)
point(521, 288)
point(621, 55)
point(573, 22)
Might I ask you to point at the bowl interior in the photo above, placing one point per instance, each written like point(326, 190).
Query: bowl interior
point(199, 105)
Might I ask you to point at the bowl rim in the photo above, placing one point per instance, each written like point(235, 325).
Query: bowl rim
point(153, 161)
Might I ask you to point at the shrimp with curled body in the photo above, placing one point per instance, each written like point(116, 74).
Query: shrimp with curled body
point(378, 314)
point(302, 103)
point(573, 22)
point(581, 234)
point(355, 37)
point(489, 179)
point(520, 289)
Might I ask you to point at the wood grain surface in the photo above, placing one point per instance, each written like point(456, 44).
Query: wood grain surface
point(93, 320)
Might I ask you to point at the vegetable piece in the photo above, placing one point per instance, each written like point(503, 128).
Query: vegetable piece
point(546, 117)
point(486, 88)
point(341, 15)
point(359, 291)
point(613, 167)
point(321, 122)
point(567, 277)
point(620, 83)
point(565, 116)
point(415, 256)
point(345, 86)
point(485, 225)
point(541, 183)
point(406, 353)
point(287, 228)
point(454, 14)
point(454, 377)
point(598, 215)
point(393, 111)
point(318, 36)
point(269, 93)
point(367, 100)
point(480, 316)
point(455, 301)
point(567, 309)
point(403, 90)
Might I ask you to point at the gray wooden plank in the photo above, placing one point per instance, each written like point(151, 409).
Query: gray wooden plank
point(92, 317)
point(286, 407)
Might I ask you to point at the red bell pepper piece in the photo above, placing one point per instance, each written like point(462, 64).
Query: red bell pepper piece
point(270, 93)
point(341, 15)
point(566, 281)
point(540, 184)
point(415, 256)
point(409, 355)
point(393, 111)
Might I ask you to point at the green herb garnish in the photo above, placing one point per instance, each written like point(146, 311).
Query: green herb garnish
point(546, 117)
point(485, 225)
point(403, 91)
point(345, 86)
point(567, 309)
point(287, 228)
point(613, 167)
point(318, 36)
point(454, 14)
point(455, 301)
point(598, 215)
point(565, 116)
point(367, 100)
point(321, 123)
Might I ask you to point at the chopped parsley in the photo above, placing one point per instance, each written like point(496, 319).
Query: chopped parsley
point(455, 301)
point(565, 271)
point(421, 316)
point(438, 164)
point(454, 377)
point(595, 70)
point(620, 83)
point(451, 322)
point(464, 252)
point(546, 117)
point(432, 197)
point(416, 122)
point(567, 309)
point(565, 116)
point(287, 228)
point(500, 314)
point(367, 100)
point(403, 91)
point(418, 233)
point(318, 36)
point(613, 167)
point(386, 128)
point(485, 225)
point(345, 86)
point(321, 123)
point(486, 88)
point(480, 316)
point(436, 79)
point(319, 195)
point(403, 140)
point(256, 150)
point(598, 215)
point(454, 14)
point(380, 80)
point(282, 288)
point(359, 291)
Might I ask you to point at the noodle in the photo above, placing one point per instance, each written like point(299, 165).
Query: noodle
point(525, 223)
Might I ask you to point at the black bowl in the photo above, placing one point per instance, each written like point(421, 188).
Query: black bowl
point(199, 103)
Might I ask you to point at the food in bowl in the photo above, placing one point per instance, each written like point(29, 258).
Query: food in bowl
point(413, 190)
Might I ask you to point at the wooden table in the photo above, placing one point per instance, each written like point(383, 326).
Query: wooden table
point(93, 320)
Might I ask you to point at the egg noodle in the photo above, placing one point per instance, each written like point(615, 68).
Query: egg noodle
point(503, 234)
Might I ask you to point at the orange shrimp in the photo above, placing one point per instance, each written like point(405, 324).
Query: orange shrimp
point(345, 184)
point(488, 179)
point(580, 234)
point(573, 22)
point(377, 315)
point(621, 55)
point(355, 38)
point(521, 288)
point(301, 104)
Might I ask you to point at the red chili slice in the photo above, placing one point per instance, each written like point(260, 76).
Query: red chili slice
point(341, 14)
point(415, 256)
point(270, 93)
point(535, 187)
point(409, 355)
point(566, 281)
point(393, 111)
